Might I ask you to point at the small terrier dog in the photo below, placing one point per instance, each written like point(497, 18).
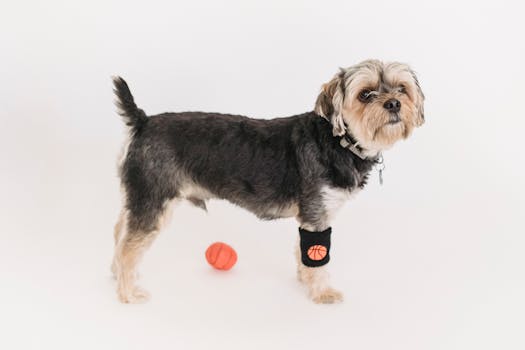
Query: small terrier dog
point(304, 166)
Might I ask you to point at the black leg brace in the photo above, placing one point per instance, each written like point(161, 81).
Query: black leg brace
point(315, 247)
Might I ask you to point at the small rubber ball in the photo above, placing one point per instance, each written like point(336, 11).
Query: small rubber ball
point(221, 256)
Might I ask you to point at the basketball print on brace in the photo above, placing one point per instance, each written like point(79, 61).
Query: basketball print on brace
point(317, 252)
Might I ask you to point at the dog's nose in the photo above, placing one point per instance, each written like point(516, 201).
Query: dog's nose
point(392, 105)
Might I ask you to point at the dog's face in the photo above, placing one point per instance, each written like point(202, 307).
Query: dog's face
point(379, 103)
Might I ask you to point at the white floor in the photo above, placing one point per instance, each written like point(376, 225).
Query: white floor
point(432, 260)
point(418, 271)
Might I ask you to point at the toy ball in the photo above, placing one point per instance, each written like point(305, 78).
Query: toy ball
point(221, 256)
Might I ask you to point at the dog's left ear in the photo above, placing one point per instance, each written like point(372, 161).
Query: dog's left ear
point(420, 98)
point(329, 103)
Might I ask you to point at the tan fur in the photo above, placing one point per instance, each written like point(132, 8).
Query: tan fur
point(329, 104)
point(129, 249)
point(368, 122)
point(128, 253)
point(191, 190)
point(338, 103)
point(324, 105)
point(316, 280)
point(289, 211)
point(119, 227)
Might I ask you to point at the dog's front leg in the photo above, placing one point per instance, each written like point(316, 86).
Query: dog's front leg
point(312, 256)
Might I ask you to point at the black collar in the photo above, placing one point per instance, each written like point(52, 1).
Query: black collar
point(349, 142)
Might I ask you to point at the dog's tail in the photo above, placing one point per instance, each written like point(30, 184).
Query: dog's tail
point(133, 116)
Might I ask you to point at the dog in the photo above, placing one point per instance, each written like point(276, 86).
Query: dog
point(304, 166)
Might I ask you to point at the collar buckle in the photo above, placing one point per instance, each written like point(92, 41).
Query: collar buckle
point(346, 142)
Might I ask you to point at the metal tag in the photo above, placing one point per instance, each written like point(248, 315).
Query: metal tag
point(381, 167)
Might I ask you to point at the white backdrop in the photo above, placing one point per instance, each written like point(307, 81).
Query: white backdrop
point(431, 260)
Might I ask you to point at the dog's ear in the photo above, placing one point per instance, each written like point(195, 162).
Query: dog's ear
point(329, 103)
point(419, 101)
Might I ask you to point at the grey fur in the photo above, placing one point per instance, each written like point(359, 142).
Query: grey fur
point(274, 168)
point(264, 166)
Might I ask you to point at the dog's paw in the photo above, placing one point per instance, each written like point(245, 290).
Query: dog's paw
point(327, 296)
point(136, 296)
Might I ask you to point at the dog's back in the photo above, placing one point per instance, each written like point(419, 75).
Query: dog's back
point(197, 155)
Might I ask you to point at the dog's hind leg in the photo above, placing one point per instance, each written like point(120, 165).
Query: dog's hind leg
point(117, 234)
point(119, 226)
point(140, 228)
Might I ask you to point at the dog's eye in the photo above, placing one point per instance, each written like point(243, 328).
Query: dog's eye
point(365, 95)
point(402, 89)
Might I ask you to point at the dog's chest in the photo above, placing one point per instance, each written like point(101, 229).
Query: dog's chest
point(334, 197)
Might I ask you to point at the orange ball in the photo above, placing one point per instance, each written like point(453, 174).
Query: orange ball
point(221, 256)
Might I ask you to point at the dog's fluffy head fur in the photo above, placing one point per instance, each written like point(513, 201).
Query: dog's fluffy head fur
point(377, 103)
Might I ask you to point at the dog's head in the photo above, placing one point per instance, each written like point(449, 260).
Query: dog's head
point(380, 103)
